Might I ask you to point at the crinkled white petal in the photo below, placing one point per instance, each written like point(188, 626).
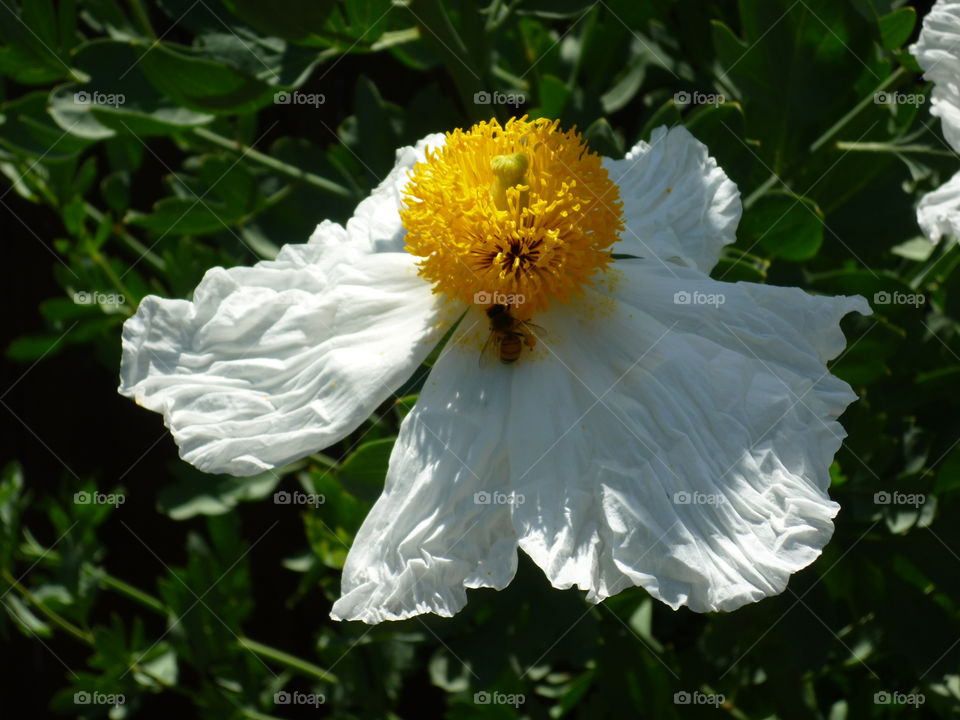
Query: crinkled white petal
point(272, 362)
point(430, 535)
point(638, 398)
point(678, 205)
point(275, 361)
point(938, 52)
point(939, 211)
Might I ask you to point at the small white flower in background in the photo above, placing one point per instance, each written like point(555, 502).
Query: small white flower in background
point(938, 52)
point(682, 445)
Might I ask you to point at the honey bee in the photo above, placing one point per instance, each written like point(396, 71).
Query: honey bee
point(508, 335)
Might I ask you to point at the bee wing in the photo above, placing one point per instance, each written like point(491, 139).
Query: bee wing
point(491, 350)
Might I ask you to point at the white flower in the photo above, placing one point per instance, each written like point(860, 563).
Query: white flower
point(938, 52)
point(667, 430)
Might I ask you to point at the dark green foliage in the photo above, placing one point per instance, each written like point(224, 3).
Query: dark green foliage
point(161, 139)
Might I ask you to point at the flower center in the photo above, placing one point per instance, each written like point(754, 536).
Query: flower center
point(514, 215)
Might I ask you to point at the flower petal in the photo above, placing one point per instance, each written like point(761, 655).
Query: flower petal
point(938, 52)
point(731, 404)
point(678, 205)
point(430, 535)
point(939, 211)
point(272, 362)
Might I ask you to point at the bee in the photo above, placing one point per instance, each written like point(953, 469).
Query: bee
point(508, 335)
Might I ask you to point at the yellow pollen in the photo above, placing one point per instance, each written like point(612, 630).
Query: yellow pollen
point(522, 211)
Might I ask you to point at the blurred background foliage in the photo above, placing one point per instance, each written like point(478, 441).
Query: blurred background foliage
point(145, 142)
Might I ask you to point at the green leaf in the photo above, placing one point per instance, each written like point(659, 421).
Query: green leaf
point(948, 474)
point(290, 19)
point(357, 25)
point(378, 128)
point(28, 129)
point(28, 348)
point(12, 504)
point(198, 493)
point(897, 27)
point(625, 87)
point(24, 618)
point(219, 36)
point(404, 405)
point(199, 83)
point(215, 196)
point(115, 189)
point(918, 249)
point(797, 69)
point(667, 114)
point(786, 226)
point(602, 138)
point(118, 98)
point(33, 51)
point(364, 470)
point(553, 96)
point(74, 213)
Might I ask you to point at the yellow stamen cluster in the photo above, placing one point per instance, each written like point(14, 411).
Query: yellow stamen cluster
point(523, 210)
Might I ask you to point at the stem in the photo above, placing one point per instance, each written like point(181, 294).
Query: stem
point(944, 250)
point(865, 102)
point(324, 460)
point(286, 659)
point(109, 582)
point(828, 135)
point(113, 277)
point(131, 242)
point(279, 166)
point(761, 190)
point(51, 615)
point(142, 18)
point(87, 639)
point(584, 38)
point(291, 661)
point(879, 147)
point(445, 39)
